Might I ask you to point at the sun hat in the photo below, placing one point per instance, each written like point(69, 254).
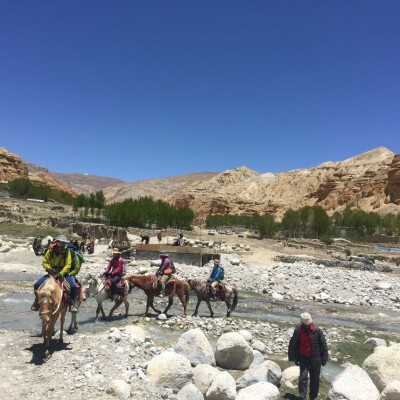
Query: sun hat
point(115, 251)
point(163, 254)
point(305, 318)
point(62, 238)
point(216, 261)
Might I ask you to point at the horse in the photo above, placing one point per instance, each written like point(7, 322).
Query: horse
point(97, 289)
point(228, 294)
point(173, 287)
point(53, 304)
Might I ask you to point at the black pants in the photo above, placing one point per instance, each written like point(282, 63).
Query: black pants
point(314, 370)
point(114, 280)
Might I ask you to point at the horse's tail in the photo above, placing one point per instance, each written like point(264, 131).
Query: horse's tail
point(235, 298)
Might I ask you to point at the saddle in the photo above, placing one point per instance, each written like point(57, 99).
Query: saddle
point(121, 288)
point(220, 290)
point(66, 288)
point(157, 286)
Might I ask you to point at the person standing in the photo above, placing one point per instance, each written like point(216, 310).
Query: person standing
point(308, 349)
point(115, 270)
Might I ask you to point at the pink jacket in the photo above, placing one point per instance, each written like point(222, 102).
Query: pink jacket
point(115, 266)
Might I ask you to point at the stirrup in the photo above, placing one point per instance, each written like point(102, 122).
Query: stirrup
point(35, 306)
point(74, 308)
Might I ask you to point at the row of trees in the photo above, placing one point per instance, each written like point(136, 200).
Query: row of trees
point(24, 188)
point(145, 212)
point(314, 222)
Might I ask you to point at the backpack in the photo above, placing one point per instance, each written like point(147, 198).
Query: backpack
point(222, 276)
point(173, 268)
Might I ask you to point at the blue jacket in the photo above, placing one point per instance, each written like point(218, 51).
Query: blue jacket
point(215, 273)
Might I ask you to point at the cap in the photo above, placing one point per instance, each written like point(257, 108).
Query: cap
point(61, 238)
point(305, 318)
point(115, 251)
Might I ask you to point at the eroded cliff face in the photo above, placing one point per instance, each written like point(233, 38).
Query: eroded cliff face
point(392, 188)
point(11, 166)
point(369, 181)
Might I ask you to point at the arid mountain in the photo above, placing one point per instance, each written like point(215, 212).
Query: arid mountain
point(85, 183)
point(157, 188)
point(369, 181)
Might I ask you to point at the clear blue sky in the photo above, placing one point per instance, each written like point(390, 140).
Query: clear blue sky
point(146, 89)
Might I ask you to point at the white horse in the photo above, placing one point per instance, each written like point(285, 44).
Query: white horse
point(97, 289)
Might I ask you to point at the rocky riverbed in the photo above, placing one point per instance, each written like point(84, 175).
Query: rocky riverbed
point(104, 362)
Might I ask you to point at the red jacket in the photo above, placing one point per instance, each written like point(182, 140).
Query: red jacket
point(115, 266)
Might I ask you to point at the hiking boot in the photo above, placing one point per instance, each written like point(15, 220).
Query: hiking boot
point(74, 308)
point(35, 306)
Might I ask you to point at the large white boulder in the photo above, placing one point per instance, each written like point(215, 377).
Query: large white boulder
point(383, 365)
point(291, 374)
point(189, 392)
point(353, 383)
point(195, 346)
point(391, 391)
point(259, 391)
point(233, 352)
point(136, 333)
point(170, 369)
point(222, 388)
point(119, 388)
point(268, 371)
point(204, 375)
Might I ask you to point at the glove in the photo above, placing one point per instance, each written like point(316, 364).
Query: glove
point(50, 271)
point(59, 277)
point(107, 274)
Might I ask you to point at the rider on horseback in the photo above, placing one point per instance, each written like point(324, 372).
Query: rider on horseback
point(165, 271)
point(115, 270)
point(215, 277)
point(57, 262)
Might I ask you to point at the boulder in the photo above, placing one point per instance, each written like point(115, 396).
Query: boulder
point(383, 365)
point(119, 388)
point(170, 369)
point(136, 333)
point(376, 342)
point(189, 392)
point(233, 352)
point(195, 346)
point(259, 391)
point(353, 383)
point(268, 371)
point(257, 360)
point(222, 388)
point(391, 391)
point(291, 374)
point(204, 375)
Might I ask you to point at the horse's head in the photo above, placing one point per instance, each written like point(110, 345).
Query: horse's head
point(92, 285)
point(49, 299)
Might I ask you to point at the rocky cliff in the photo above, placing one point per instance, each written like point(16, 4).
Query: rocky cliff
point(11, 166)
point(369, 181)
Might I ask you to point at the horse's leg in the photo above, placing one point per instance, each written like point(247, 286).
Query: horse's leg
point(228, 305)
point(116, 305)
point(197, 306)
point(46, 339)
point(126, 302)
point(209, 307)
point(62, 319)
point(150, 303)
point(181, 297)
point(170, 302)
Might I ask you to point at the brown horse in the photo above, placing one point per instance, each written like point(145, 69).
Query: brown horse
point(53, 304)
point(229, 295)
point(173, 287)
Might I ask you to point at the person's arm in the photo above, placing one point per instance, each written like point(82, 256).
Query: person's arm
point(46, 260)
point(293, 350)
point(323, 348)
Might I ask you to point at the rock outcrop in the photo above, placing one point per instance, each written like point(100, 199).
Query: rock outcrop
point(11, 166)
point(392, 189)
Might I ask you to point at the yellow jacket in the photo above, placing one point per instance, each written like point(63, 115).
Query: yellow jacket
point(52, 260)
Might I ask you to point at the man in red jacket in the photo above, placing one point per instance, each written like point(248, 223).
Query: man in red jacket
point(308, 348)
point(115, 270)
